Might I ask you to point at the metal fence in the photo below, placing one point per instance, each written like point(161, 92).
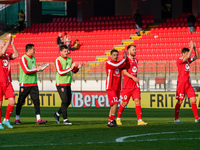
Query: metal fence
point(154, 76)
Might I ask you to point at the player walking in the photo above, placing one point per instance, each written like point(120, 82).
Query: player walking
point(184, 86)
point(131, 86)
point(28, 84)
point(5, 78)
point(113, 84)
point(64, 66)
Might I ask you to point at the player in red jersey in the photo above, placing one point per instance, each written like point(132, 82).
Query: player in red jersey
point(5, 78)
point(113, 84)
point(131, 86)
point(184, 86)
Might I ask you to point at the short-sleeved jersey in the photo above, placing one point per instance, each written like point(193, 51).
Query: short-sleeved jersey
point(184, 70)
point(5, 75)
point(132, 68)
point(113, 70)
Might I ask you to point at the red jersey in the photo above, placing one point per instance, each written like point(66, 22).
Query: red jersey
point(132, 68)
point(5, 75)
point(113, 71)
point(184, 70)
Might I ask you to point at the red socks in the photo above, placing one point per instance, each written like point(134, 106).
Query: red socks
point(195, 111)
point(177, 110)
point(9, 111)
point(111, 117)
point(120, 111)
point(138, 111)
point(0, 114)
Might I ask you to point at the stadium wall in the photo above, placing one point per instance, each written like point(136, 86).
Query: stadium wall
point(100, 99)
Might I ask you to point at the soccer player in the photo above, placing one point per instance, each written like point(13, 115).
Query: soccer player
point(5, 78)
point(131, 86)
point(28, 84)
point(64, 67)
point(113, 83)
point(184, 86)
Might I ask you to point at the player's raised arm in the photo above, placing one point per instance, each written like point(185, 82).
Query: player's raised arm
point(188, 55)
point(16, 53)
point(124, 54)
point(125, 72)
point(113, 64)
point(196, 51)
point(5, 44)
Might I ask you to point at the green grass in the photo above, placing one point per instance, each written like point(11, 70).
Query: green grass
point(89, 130)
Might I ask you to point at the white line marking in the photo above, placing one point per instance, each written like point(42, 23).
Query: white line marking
point(121, 139)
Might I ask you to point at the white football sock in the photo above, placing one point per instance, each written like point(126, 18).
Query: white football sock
point(17, 117)
point(38, 117)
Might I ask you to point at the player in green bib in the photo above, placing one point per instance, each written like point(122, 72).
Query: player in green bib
point(28, 83)
point(64, 67)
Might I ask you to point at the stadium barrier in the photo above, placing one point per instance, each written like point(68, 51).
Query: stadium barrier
point(100, 99)
point(154, 76)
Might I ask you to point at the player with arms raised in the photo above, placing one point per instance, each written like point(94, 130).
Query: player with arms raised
point(113, 83)
point(131, 86)
point(184, 86)
point(5, 78)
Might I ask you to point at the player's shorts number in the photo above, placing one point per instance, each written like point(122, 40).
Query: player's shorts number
point(115, 99)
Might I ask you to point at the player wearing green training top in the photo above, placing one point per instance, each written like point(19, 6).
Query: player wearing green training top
point(64, 67)
point(28, 83)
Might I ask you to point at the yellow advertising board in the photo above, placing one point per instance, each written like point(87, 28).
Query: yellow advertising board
point(162, 100)
point(100, 99)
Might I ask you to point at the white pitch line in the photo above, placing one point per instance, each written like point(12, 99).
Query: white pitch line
point(121, 139)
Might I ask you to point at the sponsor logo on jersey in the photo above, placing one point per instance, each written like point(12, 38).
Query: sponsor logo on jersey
point(5, 63)
point(125, 97)
point(134, 69)
point(187, 67)
point(116, 71)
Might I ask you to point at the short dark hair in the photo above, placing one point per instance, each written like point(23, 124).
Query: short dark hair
point(114, 50)
point(129, 46)
point(29, 46)
point(65, 33)
point(62, 47)
point(184, 50)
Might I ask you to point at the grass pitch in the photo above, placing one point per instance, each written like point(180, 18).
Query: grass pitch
point(89, 131)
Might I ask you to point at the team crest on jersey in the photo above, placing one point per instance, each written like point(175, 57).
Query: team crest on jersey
point(187, 67)
point(5, 63)
point(116, 71)
point(134, 69)
point(33, 67)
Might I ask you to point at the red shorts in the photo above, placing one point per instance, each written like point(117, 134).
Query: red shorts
point(113, 97)
point(127, 93)
point(184, 89)
point(7, 90)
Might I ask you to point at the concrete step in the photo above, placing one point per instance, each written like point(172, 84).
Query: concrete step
point(119, 47)
point(127, 42)
point(101, 58)
point(107, 53)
